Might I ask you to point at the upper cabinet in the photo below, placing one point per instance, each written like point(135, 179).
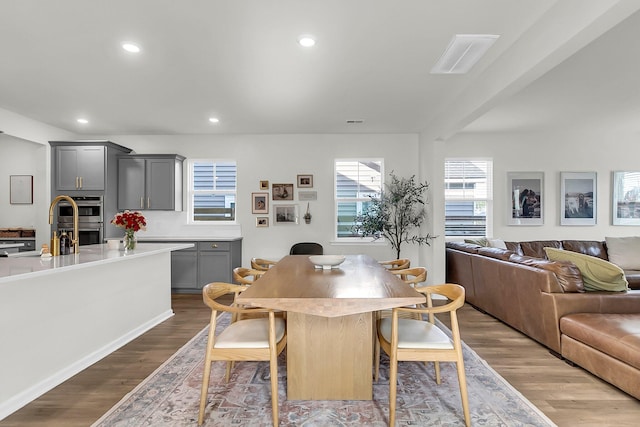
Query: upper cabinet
point(150, 182)
point(82, 165)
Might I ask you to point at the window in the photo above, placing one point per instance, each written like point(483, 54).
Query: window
point(212, 190)
point(356, 181)
point(468, 194)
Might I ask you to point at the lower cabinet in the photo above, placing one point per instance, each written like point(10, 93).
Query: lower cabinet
point(206, 262)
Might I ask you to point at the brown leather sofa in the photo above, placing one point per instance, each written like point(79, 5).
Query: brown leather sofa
point(546, 300)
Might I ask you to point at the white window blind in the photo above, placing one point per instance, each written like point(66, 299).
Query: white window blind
point(212, 190)
point(468, 196)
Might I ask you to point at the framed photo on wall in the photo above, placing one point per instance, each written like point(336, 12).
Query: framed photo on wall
point(260, 203)
point(282, 191)
point(21, 189)
point(285, 214)
point(305, 181)
point(625, 198)
point(578, 198)
point(264, 184)
point(526, 199)
point(262, 221)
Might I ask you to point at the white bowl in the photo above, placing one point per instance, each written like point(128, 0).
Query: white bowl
point(326, 261)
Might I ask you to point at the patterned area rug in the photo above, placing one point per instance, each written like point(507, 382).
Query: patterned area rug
point(170, 397)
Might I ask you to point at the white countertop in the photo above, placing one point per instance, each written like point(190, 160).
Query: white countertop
point(30, 264)
point(142, 238)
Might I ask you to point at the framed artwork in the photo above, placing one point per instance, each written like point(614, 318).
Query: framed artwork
point(305, 196)
point(525, 195)
point(259, 203)
point(305, 181)
point(262, 221)
point(21, 189)
point(282, 191)
point(285, 214)
point(264, 185)
point(626, 198)
point(578, 198)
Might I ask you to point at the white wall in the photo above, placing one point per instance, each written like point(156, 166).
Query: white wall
point(20, 157)
point(278, 159)
point(551, 153)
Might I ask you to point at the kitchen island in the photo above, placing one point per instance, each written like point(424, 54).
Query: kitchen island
point(62, 314)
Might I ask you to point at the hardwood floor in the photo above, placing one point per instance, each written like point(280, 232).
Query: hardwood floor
point(569, 396)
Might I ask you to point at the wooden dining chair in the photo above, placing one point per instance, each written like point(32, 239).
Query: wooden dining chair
point(396, 264)
point(251, 339)
point(421, 340)
point(246, 276)
point(262, 264)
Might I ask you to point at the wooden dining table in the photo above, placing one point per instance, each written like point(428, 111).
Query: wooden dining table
point(330, 321)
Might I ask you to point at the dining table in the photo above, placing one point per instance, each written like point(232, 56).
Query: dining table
point(330, 316)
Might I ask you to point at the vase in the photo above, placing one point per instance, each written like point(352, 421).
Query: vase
point(130, 241)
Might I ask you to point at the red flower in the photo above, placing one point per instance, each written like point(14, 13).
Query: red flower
point(130, 221)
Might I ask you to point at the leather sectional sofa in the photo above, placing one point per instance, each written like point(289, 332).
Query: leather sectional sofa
point(546, 300)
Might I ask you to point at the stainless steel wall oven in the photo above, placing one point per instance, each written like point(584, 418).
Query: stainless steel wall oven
point(90, 218)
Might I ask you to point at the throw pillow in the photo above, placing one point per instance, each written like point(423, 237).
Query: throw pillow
point(480, 241)
point(597, 274)
point(624, 252)
point(497, 243)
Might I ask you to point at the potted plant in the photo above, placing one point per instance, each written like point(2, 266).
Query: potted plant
point(395, 215)
point(307, 216)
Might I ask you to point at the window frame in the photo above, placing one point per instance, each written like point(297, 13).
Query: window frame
point(488, 200)
point(336, 200)
point(191, 192)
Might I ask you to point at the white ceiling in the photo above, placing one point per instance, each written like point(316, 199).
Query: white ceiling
point(239, 60)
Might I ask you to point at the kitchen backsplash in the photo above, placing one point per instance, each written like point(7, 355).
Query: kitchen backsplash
point(174, 224)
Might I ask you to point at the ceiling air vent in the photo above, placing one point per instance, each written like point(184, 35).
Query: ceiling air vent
point(355, 122)
point(463, 52)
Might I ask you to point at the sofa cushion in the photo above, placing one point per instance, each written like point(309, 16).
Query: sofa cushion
point(497, 243)
point(536, 248)
point(497, 253)
point(588, 247)
point(597, 274)
point(633, 277)
point(568, 275)
point(464, 247)
point(624, 252)
point(617, 335)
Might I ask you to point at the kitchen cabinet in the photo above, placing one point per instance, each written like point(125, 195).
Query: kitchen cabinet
point(151, 182)
point(28, 244)
point(79, 168)
point(206, 262)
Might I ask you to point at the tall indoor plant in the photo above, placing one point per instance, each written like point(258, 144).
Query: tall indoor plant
point(397, 214)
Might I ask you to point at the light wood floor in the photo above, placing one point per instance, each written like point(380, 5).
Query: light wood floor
point(568, 395)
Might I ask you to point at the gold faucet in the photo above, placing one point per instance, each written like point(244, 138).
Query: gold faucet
point(74, 205)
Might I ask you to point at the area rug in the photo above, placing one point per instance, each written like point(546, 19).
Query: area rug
point(170, 397)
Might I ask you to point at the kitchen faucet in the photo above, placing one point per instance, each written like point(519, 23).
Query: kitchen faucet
point(74, 241)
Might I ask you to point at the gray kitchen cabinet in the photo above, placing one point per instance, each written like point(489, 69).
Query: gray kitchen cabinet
point(79, 168)
point(151, 182)
point(184, 269)
point(205, 262)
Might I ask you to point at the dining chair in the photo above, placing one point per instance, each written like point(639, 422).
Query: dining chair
point(262, 264)
point(421, 340)
point(246, 276)
point(254, 339)
point(396, 264)
point(307, 248)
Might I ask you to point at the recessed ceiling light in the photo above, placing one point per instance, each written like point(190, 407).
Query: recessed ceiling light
point(82, 121)
point(214, 119)
point(131, 47)
point(306, 40)
point(463, 52)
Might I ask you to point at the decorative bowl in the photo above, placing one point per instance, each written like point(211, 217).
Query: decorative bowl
point(326, 262)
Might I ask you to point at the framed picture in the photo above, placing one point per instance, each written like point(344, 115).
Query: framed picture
point(578, 198)
point(264, 185)
point(525, 195)
point(21, 189)
point(259, 203)
point(305, 181)
point(282, 192)
point(626, 198)
point(285, 214)
point(305, 196)
point(262, 221)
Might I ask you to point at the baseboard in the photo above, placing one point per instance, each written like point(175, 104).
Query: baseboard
point(16, 402)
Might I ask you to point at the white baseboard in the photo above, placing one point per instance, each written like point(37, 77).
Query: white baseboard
point(16, 402)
